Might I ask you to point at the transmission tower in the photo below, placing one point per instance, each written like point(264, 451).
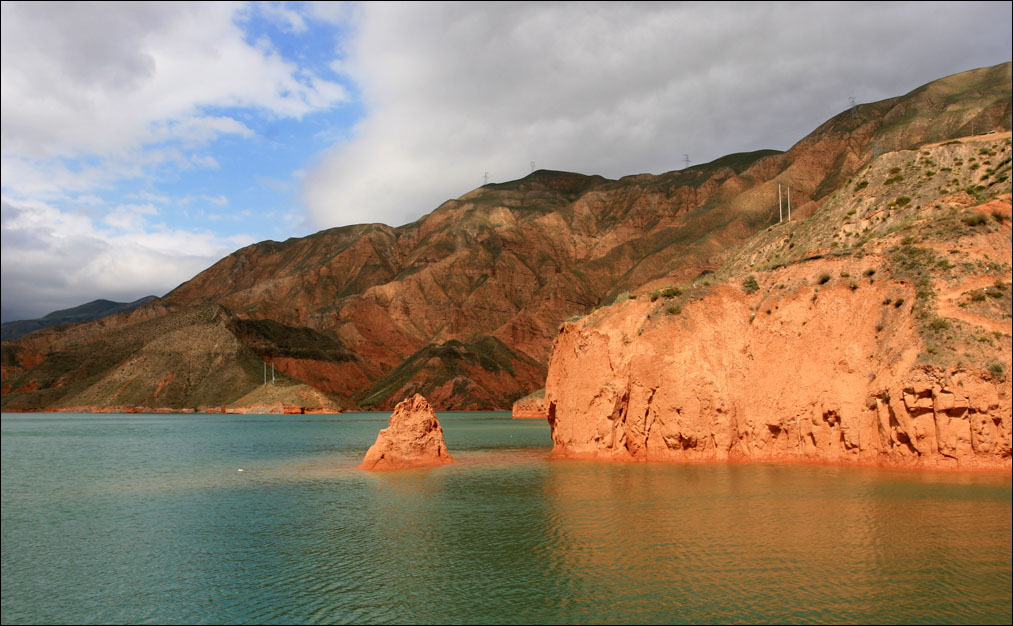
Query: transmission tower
point(685, 159)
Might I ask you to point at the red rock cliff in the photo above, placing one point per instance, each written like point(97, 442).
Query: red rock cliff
point(831, 377)
point(414, 438)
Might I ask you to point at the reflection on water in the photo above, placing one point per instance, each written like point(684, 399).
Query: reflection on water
point(146, 518)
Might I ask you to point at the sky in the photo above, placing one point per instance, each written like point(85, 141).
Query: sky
point(143, 142)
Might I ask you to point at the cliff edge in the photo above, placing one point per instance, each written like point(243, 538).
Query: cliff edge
point(877, 331)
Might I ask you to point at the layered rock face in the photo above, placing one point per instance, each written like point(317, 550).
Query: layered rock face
point(414, 438)
point(531, 406)
point(833, 379)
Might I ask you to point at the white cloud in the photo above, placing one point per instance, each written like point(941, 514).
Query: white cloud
point(200, 130)
point(452, 91)
point(54, 259)
point(129, 217)
point(108, 81)
point(219, 200)
point(289, 19)
point(203, 160)
point(333, 12)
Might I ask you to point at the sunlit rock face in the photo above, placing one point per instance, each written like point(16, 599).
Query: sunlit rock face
point(414, 438)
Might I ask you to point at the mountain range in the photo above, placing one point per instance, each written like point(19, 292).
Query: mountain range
point(464, 304)
point(89, 311)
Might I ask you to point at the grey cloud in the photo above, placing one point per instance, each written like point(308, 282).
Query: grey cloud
point(91, 43)
point(614, 89)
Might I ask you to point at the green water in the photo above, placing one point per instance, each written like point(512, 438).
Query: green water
point(126, 518)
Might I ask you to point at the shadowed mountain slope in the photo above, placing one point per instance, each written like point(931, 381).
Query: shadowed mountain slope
point(92, 310)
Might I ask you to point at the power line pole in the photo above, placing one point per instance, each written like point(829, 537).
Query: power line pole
point(532, 167)
point(272, 372)
point(486, 178)
point(685, 159)
point(854, 107)
point(265, 372)
point(780, 212)
point(788, 190)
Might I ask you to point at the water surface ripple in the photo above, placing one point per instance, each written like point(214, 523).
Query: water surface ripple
point(110, 518)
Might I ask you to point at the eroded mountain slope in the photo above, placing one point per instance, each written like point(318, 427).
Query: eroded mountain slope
point(467, 300)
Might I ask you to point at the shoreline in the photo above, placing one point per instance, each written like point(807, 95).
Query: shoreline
point(219, 410)
point(250, 410)
point(1001, 467)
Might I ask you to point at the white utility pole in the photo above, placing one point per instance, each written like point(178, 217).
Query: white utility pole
point(788, 190)
point(486, 178)
point(780, 211)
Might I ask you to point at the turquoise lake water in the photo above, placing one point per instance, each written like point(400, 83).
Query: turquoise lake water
point(145, 518)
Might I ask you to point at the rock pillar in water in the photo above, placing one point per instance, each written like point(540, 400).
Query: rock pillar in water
point(414, 438)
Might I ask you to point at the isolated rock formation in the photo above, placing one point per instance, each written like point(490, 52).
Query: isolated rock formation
point(414, 438)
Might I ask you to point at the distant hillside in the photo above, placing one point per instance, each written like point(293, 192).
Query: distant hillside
point(93, 310)
point(464, 304)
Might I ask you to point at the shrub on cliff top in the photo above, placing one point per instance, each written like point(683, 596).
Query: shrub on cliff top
point(975, 219)
point(938, 324)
